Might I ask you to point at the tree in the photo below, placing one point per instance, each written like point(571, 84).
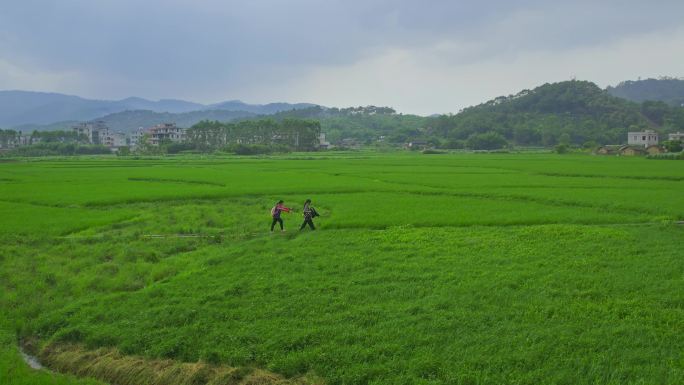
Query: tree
point(290, 133)
point(673, 145)
point(487, 141)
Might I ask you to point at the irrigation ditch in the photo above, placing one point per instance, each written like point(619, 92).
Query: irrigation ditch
point(115, 368)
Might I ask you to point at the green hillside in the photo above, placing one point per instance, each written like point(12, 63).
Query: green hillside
point(365, 124)
point(573, 112)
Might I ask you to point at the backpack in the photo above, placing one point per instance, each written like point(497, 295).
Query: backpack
point(314, 213)
point(273, 211)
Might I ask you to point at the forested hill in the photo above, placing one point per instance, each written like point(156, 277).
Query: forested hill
point(572, 112)
point(668, 90)
point(365, 124)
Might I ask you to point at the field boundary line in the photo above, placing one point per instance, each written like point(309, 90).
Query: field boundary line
point(439, 190)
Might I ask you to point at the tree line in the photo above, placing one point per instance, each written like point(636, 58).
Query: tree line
point(287, 134)
point(48, 143)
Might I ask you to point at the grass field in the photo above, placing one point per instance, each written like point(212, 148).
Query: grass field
point(426, 269)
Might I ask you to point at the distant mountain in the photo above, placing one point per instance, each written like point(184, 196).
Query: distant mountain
point(27, 109)
point(262, 109)
point(668, 90)
point(128, 121)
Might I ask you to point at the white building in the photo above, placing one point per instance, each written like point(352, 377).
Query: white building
point(137, 136)
point(97, 132)
point(642, 138)
point(676, 136)
point(119, 140)
point(165, 132)
point(322, 143)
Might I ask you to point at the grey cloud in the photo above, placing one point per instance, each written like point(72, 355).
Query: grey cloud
point(206, 47)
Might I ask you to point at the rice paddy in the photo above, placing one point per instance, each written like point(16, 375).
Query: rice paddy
point(425, 269)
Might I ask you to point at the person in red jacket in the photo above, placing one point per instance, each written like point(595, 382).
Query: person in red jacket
point(275, 213)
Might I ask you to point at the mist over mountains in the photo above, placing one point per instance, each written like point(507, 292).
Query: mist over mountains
point(664, 89)
point(26, 108)
point(28, 111)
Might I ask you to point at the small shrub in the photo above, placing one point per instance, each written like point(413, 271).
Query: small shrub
point(488, 141)
point(433, 152)
point(561, 148)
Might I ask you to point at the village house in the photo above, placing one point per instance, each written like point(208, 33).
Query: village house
point(137, 136)
point(97, 132)
point(416, 145)
point(165, 132)
point(119, 139)
point(676, 136)
point(27, 140)
point(607, 150)
point(322, 143)
point(642, 138)
point(628, 150)
point(350, 143)
point(655, 149)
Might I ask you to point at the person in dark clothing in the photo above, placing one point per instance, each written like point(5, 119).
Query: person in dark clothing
point(275, 213)
point(309, 214)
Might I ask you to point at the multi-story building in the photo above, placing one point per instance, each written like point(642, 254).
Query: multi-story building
point(642, 138)
point(137, 136)
point(119, 139)
point(165, 132)
point(97, 132)
point(676, 136)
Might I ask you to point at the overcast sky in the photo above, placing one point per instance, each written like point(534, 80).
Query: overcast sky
point(417, 56)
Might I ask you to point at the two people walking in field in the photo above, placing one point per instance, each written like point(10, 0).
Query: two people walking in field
point(309, 213)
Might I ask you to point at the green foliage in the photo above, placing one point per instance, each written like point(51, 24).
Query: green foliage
point(123, 151)
point(673, 145)
point(668, 156)
point(175, 148)
point(562, 148)
point(486, 141)
point(58, 136)
point(255, 149)
point(57, 149)
point(296, 134)
point(8, 138)
point(366, 124)
point(459, 268)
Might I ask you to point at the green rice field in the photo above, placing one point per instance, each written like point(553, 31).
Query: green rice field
point(425, 269)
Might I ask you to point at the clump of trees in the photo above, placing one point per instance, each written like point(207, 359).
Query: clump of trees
point(58, 136)
point(257, 136)
point(363, 124)
point(48, 143)
point(9, 138)
point(58, 149)
point(673, 145)
point(486, 141)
